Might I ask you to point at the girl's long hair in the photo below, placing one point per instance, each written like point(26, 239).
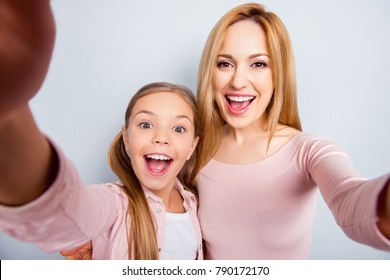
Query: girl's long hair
point(283, 107)
point(141, 230)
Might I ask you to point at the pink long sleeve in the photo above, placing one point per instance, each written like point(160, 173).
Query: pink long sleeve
point(351, 198)
point(265, 210)
point(68, 214)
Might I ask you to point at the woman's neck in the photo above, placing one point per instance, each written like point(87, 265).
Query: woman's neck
point(241, 146)
point(245, 135)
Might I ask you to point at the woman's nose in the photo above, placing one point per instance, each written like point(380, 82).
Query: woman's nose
point(239, 79)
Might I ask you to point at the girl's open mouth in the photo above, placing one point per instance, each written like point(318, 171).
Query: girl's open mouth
point(157, 164)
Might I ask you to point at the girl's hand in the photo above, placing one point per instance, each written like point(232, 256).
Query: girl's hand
point(27, 33)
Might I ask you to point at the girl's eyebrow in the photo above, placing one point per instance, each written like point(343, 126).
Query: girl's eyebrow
point(153, 114)
point(251, 56)
point(183, 117)
point(144, 112)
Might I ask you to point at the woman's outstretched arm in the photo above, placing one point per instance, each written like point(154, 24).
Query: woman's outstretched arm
point(27, 163)
point(384, 211)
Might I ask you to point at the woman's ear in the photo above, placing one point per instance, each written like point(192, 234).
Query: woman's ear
point(194, 144)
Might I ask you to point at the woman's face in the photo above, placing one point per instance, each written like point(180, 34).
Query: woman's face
point(243, 84)
point(159, 138)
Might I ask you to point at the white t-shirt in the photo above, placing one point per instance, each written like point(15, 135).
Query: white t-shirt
point(180, 242)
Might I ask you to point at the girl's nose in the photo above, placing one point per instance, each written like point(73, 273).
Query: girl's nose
point(161, 138)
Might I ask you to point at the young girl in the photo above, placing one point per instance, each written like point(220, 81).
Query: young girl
point(149, 214)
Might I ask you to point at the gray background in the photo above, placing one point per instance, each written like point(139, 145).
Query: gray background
point(107, 49)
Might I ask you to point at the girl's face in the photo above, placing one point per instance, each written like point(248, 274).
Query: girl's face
point(159, 138)
point(243, 84)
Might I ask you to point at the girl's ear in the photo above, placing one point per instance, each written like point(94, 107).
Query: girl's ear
point(194, 144)
point(125, 138)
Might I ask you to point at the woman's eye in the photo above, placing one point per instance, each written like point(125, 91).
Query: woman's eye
point(145, 125)
point(179, 129)
point(224, 64)
point(259, 64)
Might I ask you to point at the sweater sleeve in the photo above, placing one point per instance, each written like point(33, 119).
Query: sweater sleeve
point(67, 215)
point(351, 198)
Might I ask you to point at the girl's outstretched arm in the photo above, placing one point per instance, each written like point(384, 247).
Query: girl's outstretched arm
point(27, 163)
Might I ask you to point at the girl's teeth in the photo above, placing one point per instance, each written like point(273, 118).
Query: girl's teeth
point(158, 157)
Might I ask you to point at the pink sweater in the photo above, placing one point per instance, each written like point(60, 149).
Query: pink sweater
point(265, 210)
point(69, 214)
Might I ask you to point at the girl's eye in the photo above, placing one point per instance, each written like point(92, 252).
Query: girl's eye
point(224, 64)
point(145, 125)
point(179, 129)
point(259, 64)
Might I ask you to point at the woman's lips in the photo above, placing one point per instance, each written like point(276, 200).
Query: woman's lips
point(239, 104)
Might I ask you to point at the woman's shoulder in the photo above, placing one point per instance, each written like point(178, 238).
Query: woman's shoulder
point(286, 133)
point(288, 137)
point(312, 146)
point(282, 136)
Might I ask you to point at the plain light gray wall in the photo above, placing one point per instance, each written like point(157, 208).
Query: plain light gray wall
point(107, 49)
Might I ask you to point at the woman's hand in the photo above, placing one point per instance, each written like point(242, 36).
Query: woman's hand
point(384, 211)
point(83, 252)
point(27, 33)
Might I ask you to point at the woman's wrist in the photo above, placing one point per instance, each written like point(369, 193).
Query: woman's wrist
point(384, 210)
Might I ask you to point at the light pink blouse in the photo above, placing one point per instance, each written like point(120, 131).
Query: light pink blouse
point(265, 210)
point(69, 214)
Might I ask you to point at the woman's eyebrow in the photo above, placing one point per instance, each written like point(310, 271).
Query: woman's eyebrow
point(251, 56)
point(258, 54)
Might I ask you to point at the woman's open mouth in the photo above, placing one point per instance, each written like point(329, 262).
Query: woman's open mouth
point(239, 104)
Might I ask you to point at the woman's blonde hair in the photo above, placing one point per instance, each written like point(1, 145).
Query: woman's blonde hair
point(283, 107)
point(142, 237)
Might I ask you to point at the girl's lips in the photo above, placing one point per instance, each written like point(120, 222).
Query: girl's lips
point(157, 164)
point(238, 104)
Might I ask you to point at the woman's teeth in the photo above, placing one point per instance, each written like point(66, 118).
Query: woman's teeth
point(240, 98)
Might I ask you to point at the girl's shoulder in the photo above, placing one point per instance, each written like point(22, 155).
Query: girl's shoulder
point(113, 189)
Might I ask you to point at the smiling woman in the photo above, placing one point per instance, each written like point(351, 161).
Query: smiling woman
point(242, 60)
point(257, 165)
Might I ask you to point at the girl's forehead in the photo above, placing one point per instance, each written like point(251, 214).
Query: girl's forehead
point(163, 103)
point(167, 98)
